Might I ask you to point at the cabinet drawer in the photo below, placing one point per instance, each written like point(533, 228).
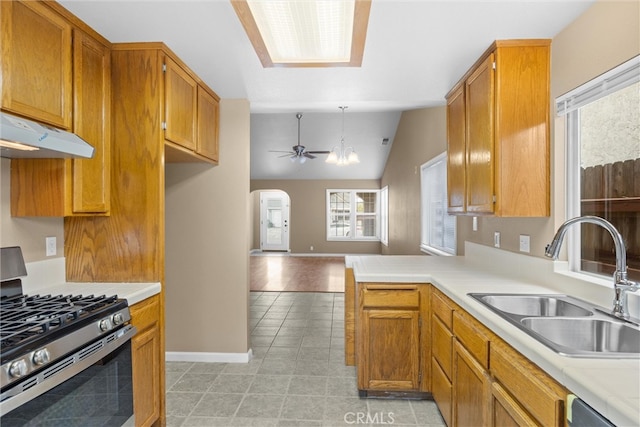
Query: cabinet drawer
point(442, 342)
point(538, 393)
point(146, 312)
point(441, 390)
point(408, 297)
point(442, 309)
point(474, 337)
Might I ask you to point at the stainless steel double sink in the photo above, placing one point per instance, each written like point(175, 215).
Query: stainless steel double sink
point(567, 325)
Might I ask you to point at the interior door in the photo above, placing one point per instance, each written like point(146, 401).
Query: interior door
point(274, 221)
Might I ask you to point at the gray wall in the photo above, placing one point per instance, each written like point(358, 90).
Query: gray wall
point(308, 218)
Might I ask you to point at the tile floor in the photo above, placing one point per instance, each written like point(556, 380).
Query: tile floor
point(296, 378)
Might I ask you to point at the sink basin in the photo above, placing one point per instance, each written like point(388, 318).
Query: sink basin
point(587, 334)
point(534, 305)
point(567, 325)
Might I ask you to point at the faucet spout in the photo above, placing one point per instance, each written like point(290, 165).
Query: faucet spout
point(621, 284)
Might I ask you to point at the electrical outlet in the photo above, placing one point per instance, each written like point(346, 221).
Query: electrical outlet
point(50, 243)
point(475, 223)
point(496, 239)
point(311, 248)
point(525, 243)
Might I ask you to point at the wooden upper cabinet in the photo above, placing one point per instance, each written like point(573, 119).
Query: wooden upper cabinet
point(36, 63)
point(479, 101)
point(91, 178)
point(208, 123)
point(456, 159)
point(66, 187)
point(506, 132)
point(181, 105)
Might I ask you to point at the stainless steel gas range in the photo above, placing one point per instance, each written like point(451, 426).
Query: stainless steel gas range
point(65, 359)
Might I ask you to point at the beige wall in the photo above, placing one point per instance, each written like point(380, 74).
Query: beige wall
point(207, 244)
point(606, 35)
point(307, 217)
point(28, 233)
point(421, 135)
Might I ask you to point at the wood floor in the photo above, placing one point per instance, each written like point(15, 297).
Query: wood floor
point(286, 273)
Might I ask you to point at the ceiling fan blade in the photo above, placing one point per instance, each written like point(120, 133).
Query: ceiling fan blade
point(280, 151)
point(287, 154)
point(308, 155)
point(319, 152)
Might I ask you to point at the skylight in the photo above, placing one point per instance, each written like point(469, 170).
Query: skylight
point(306, 33)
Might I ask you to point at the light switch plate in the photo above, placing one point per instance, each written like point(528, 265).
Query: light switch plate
point(525, 243)
point(496, 239)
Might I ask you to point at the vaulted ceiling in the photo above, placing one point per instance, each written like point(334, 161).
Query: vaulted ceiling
point(415, 52)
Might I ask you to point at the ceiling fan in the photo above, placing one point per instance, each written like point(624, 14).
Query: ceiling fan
point(299, 152)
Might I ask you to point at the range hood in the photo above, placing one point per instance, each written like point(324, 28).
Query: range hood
point(24, 138)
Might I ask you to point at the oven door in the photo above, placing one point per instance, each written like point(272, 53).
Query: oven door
point(97, 391)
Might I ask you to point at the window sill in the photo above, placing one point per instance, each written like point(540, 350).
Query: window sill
point(562, 268)
point(434, 251)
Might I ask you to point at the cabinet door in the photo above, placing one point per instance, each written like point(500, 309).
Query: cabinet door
point(480, 100)
point(208, 119)
point(441, 389)
point(470, 389)
point(91, 178)
point(36, 63)
point(181, 92)
point(456, 157)
point(145, 354)
point(505, 411)
point(391, 346)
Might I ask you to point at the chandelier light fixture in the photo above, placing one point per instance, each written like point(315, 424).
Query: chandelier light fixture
point(341, 155)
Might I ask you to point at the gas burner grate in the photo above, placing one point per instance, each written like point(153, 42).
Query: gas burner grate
point(28, 318)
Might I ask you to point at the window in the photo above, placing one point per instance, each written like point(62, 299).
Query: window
point(603, 167)
point(353, 215)
point(438, 228)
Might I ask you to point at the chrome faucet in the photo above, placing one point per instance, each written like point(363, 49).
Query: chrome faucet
point(621, 285)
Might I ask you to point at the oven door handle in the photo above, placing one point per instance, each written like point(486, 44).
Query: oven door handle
point(64, 369)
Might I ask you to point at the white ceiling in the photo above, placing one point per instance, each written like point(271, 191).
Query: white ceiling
point(415, 52)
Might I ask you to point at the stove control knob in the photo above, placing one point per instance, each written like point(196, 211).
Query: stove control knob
point(40, 357)
point(18, 368)
point(105, 325)
point(118, 319)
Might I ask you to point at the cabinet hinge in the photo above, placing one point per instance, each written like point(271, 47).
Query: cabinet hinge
point(419, 377)
point(164, 67)
point(420, 321)
point(494, 65)
point(164, 125)
point(494, 198)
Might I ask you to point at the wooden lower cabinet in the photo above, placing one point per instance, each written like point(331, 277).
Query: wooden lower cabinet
point(474, 376)
point(147, 365)
point(527, 394)
point(506, 411)
point(470, 389)
point(477, 379)
point(389, 338)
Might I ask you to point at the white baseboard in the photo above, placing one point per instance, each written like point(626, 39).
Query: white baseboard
point(187, 356)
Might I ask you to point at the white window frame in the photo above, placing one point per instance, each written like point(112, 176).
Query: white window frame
point(569, 105)
point(384, 215)
point(352, 215)
point(436, 165)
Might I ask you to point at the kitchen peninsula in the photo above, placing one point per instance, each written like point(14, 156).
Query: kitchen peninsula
point(608, 385)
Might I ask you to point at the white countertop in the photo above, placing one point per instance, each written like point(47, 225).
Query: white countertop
point(611, 386)
point(48, 277)
point(132, 292)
